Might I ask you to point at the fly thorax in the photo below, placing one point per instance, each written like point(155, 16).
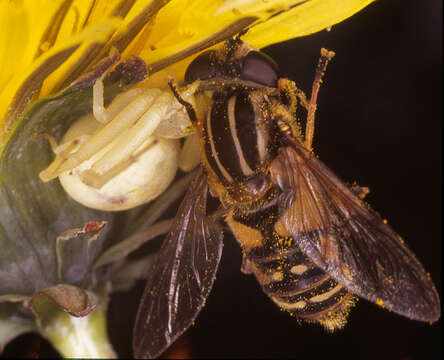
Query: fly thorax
point(239, 140)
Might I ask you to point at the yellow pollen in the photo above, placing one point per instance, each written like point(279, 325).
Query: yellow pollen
point(380, 303)
point(278, 276)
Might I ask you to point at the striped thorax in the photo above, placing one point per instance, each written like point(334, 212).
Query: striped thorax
point(238, 140)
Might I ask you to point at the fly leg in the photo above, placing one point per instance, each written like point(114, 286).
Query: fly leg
point(326, 56)
point(289, 89)
point(291, 93)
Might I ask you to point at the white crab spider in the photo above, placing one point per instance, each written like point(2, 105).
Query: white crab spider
point(128, 154)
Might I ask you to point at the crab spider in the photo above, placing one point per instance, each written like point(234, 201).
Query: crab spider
point(128, 154)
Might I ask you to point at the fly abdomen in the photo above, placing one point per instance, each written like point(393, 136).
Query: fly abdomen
point(293, 278)
point(304, 290)
point(312, 303)
point(285, 273)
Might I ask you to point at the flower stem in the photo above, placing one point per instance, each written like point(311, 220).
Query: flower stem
point(80, 337)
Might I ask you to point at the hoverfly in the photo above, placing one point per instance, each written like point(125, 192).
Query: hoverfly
point(310, 240)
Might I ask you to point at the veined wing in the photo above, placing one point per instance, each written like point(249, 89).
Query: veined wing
point(347, 239)
point(182, 277)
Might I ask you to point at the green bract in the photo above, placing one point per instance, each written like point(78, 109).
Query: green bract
point(58, 262)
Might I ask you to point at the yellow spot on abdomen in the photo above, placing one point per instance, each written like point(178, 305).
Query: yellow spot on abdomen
point(326, 295)
point(298, 269)
point(290, 306)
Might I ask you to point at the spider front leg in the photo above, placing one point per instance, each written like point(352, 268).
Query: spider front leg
point(189, 157)
point(122, 156)
point(104, 115)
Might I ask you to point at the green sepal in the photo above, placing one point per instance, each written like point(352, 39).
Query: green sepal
point(73, 320)
point(46, 303)
point(76, 250)
point(33, 213)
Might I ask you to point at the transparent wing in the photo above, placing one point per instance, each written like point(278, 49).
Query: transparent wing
point(182, 277)
point(347, 239)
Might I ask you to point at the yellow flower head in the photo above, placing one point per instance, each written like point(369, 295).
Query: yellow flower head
point(47, 44)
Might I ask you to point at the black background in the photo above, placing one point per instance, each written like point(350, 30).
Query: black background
point(378, 123)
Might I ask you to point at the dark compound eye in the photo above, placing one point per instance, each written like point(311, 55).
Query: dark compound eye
point(202, 67)
point(260, 68)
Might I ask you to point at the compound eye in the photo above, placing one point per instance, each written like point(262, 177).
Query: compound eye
point(260, 68)
point(202, 67)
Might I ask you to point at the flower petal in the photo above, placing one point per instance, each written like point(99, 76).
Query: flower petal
point(74, 54)
point(183, 28)
point(256, 6)
point(92, 41)
point(49, 37)
point(139, 16)
point(304, 19)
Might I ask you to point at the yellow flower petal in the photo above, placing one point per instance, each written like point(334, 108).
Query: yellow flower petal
point(93, 40)
point(184, 27)
point(19, 91)
point(21, 32)
point(28, 30)
point(110, 8)
point(137, 18)
point(14, 25)
point(52, 30)
point(35, 35)
point(265, 8)
point(98, 11)
point(304, 19)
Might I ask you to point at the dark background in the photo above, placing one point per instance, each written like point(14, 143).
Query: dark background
point(378, 123)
